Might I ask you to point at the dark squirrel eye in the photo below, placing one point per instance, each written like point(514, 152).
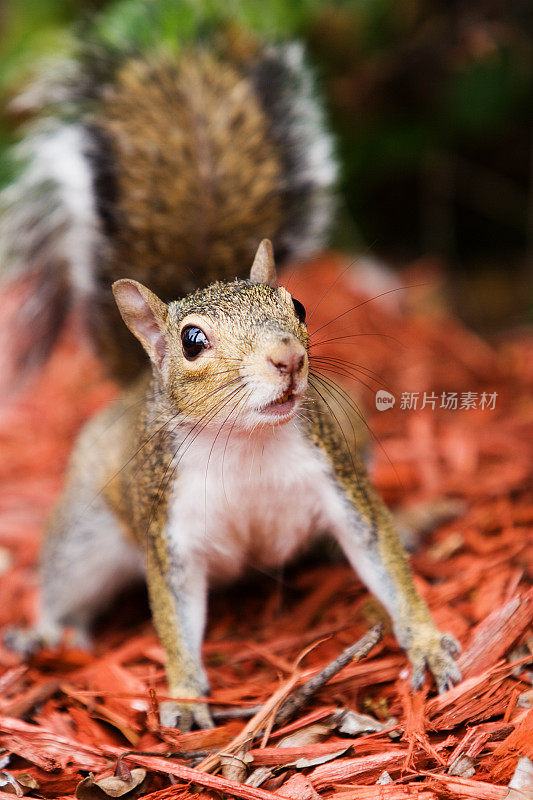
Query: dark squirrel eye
point(299, 309)
point(193, 341)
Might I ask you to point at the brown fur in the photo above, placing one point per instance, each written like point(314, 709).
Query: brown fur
point(199, 180)
point(198, 175)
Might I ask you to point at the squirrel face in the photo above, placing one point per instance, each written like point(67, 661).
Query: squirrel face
point(232, 353)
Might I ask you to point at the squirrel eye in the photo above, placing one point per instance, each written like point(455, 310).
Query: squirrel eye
point(193, 341)
point(299, 309)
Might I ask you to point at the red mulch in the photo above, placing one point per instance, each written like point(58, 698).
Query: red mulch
point(67, 713)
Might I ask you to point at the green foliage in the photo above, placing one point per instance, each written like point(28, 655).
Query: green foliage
point(485, 96)
point(32, 29)
point(141, 24)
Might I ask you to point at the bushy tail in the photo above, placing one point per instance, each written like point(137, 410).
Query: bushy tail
point(169, 170)
point(50, 235)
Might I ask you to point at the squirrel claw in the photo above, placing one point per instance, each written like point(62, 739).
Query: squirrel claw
point(184, 715)
point(450, 644)
point(437, 652)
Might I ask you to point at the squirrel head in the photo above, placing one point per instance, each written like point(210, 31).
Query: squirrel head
point(232, 353)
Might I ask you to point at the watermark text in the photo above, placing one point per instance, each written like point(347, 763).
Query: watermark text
point(450, 401)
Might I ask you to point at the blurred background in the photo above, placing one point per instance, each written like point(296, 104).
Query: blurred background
point(431, 103)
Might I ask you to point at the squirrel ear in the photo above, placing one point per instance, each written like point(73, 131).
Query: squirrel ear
point(144, 314)
point(264, 269)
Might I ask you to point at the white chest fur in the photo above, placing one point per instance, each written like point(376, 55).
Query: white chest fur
point(250, 501)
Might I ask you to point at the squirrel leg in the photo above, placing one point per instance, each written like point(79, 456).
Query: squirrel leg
point(373, 547)
point(177, 587)
point(86, 560)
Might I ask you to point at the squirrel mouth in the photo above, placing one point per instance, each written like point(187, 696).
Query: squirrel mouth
point(283, 399)
point(283, 405)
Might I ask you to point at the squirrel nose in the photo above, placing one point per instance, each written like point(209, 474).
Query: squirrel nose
point(287, 357)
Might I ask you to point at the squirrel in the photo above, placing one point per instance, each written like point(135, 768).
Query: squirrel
point(168, 173)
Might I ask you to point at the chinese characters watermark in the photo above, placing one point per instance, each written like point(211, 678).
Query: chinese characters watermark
point(450, 401)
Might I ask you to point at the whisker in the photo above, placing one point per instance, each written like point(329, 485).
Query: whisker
point(364, 303)
point(341, 368)
point(346, 362)
point(330, 287)
point(321, 370)
point(177, 415)
point(170, 469)
point(350, 373)
point(221, 426)
point(243, 399)
point(145, 442)
point(355, 336)
point(348, 449)
point(341, 393)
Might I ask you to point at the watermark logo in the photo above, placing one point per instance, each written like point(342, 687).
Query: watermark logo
point(384, 400)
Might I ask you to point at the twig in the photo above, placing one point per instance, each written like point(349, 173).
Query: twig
point(194, 776)
point(223, 714)
point(296, 699)
point(303, 695)
point(353, 653)
point(253, 727)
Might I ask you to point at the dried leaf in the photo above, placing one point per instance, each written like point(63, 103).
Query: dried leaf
point(463, 766)
point(9, 784)
point(352, 724)
point(114, 786)
point(259, 776)
point(521, 784)
point(309, 735)
point(525, 700)
point(19, 784)
point(302, 763)
point(27, 781)
point(235, 765)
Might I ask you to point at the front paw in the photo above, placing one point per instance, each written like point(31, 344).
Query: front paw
point(173, 714)
point(437, 652)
